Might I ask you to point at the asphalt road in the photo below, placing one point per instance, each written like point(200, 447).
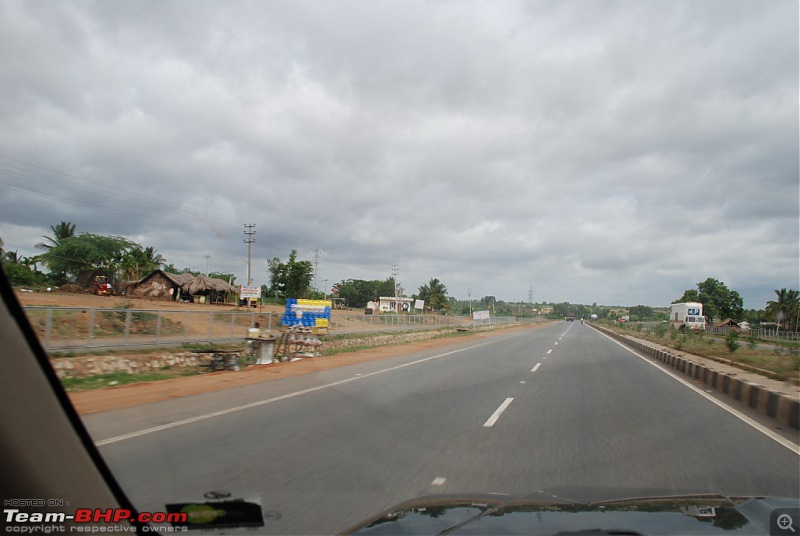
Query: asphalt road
point(561, 409)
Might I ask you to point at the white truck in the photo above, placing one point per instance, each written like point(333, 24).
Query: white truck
point(688, 315)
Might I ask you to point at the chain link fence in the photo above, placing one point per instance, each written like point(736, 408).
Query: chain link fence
point(74, 328)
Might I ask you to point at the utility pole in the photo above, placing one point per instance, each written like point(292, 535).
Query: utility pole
point(395, 274)
point(249, 232)
point(530, 298)
point(469, 295)
point(325, 289)
point(316, 266)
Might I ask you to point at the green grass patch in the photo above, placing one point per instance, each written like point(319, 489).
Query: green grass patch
point(782, 360)
point(147, 350)
point(344, 350)
point(115, 379)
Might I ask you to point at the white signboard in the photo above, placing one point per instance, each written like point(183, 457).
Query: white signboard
point(419, 304)
point(480, 315)
point(249, 292)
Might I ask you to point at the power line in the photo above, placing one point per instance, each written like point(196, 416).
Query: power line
point(39, 181)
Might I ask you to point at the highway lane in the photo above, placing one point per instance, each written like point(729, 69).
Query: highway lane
point(562, 409)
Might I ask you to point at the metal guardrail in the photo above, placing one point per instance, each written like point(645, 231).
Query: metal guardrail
point(78, 328)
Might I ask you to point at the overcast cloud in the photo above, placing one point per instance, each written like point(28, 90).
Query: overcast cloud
point(616, 152)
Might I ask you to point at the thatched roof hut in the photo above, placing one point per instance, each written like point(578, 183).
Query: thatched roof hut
point(202, 284)
point(161, 285)
point(165, 285)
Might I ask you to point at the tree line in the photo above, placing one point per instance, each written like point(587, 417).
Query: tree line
point(721, 303)
point(357, 293)
point(66, 254)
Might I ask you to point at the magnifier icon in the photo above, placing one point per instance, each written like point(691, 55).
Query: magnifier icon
point(785, 522)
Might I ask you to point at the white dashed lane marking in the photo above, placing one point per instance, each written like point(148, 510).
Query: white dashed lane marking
point(499, 411)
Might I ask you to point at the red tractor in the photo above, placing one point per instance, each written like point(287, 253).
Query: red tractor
point(101, 286)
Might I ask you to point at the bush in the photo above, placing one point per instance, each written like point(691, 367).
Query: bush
point(732, 341)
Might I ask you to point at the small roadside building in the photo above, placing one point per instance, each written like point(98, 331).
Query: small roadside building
point(395, 305)
point(161, 285)
point(728, 323)
point(204, 289)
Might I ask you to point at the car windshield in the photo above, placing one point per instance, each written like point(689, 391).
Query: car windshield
point(295, 263)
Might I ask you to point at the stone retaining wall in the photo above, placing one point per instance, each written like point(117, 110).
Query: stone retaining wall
point(80, 367)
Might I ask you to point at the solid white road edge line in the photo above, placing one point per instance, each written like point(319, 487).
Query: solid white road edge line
point(190, 420)
point(496, 415)
point(761, 428)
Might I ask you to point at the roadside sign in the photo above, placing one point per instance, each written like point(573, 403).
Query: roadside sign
point(249, 292)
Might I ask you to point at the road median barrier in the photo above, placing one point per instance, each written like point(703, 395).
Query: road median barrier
point(768, 401)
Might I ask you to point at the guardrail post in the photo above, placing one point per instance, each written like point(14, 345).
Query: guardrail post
point(91, 327)
point(48, 328)
point(127, 326)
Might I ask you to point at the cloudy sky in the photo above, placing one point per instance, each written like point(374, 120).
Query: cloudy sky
point(607, 151)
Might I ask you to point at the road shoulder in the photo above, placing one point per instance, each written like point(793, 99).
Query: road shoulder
point(107, 399)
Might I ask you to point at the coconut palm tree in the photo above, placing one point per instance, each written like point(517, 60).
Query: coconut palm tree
point(61, 232)
point(434, 294)
point(139, 262)
point(784, 308)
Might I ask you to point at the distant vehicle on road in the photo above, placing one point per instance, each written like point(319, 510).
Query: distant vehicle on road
point(570, 318)
point(687, 315)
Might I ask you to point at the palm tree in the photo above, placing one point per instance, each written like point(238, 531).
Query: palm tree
point(434, 294)
point(11, 257)
point(61, 232)
point(138, 262)
point(784, 308)
point(153, 259)
point(30, 262)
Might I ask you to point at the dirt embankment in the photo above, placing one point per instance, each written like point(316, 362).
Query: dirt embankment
point(63, 299)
